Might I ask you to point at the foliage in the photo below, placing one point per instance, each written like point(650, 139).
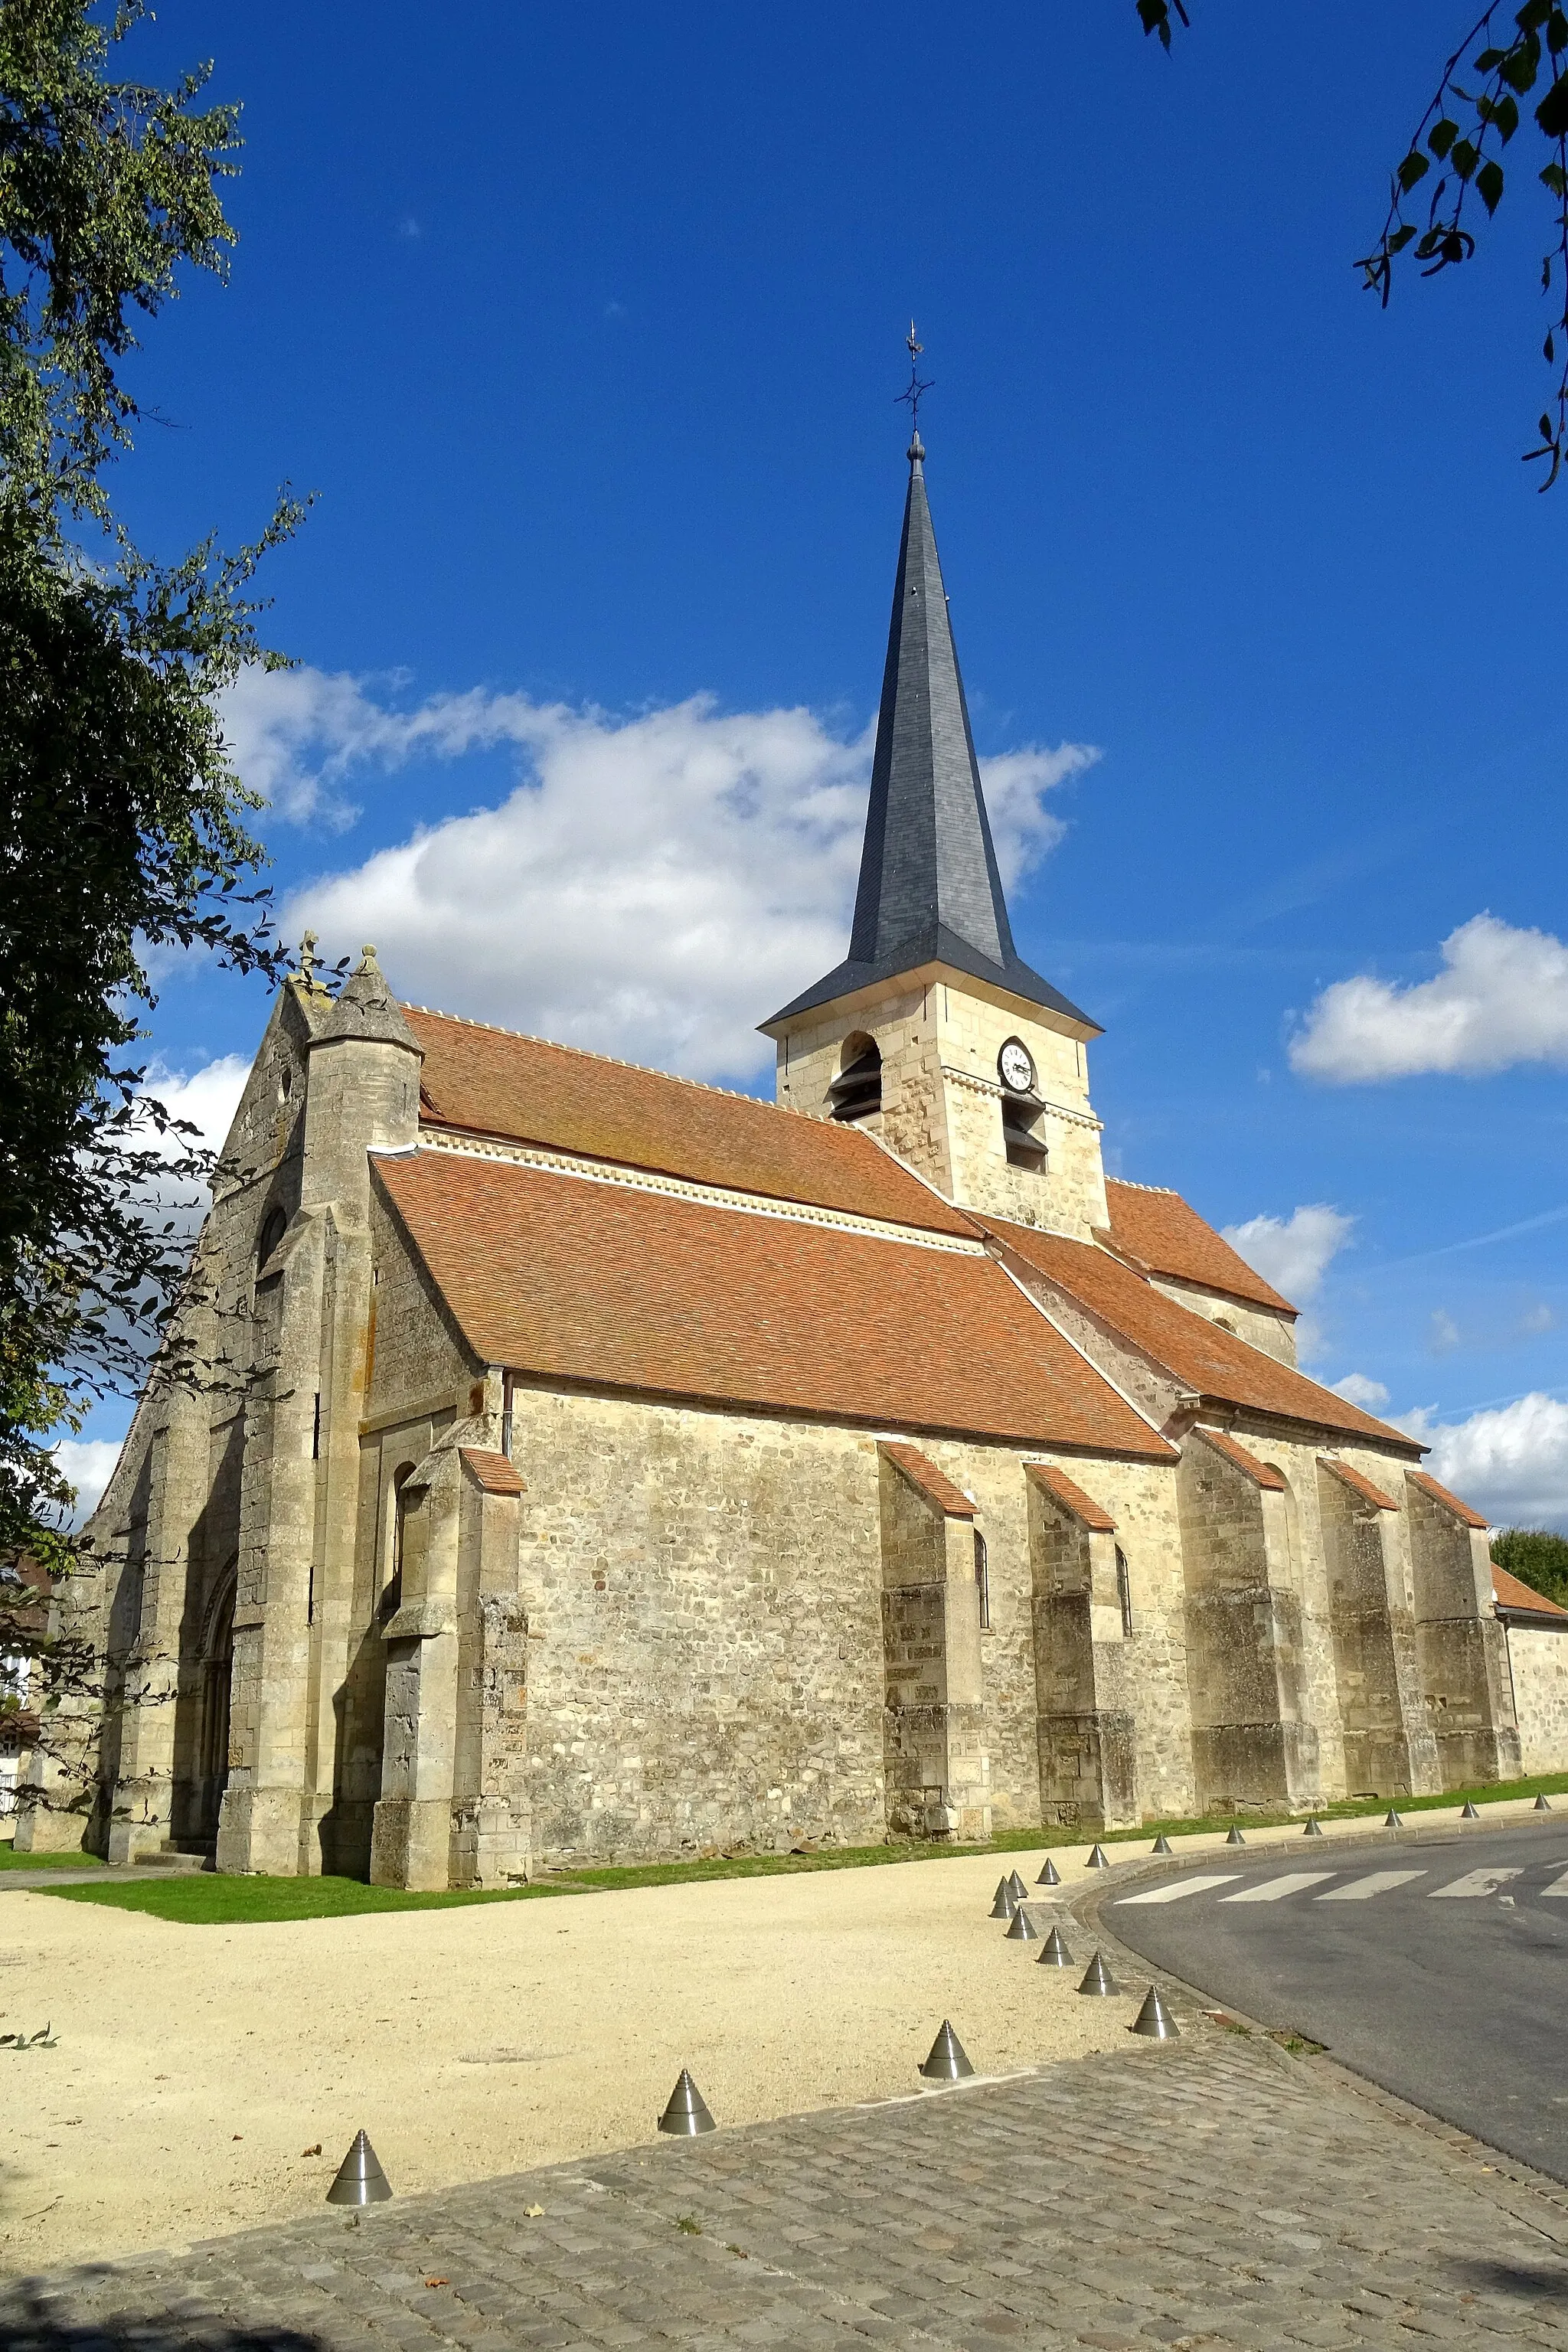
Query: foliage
point(123, 829)
point(1519, 69)
point(1537, 1556)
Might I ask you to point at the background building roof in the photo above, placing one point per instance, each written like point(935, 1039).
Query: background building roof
point(1169, 1237)
point(485, 1081)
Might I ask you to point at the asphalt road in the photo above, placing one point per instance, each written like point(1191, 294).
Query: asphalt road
point(1448, 1988)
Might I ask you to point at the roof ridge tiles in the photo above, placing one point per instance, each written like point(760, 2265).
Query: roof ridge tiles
point(614, 1062)
point(1128, 1185)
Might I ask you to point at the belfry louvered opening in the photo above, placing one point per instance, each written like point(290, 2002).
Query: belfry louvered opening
point(1023, 1130)
point(856, 1091)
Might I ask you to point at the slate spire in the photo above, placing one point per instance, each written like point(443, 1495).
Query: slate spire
point(930, 890)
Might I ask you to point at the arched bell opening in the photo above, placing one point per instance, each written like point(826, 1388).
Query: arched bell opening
point(856, 1091)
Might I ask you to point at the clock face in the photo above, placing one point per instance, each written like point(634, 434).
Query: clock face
point(1016, 1069)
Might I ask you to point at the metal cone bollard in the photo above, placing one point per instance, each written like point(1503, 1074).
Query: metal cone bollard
point(1312, 1828)
point(1162, 1844)
point(360, 2179)
point(1099, 1859)
point(687, 2113)
point(1098, 1978)
point(1470, 1812)
point(946, 2062)
point(1017, 1888)
point(1235, 1837)
point(1053, 1953)
point(1003, 1904)
point(1393, 1821)
point(1541, 1805)
point(1155, 2019)
point(1050, 1876)
point(1021, 1928)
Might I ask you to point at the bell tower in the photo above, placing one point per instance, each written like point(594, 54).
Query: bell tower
point(933, 1033)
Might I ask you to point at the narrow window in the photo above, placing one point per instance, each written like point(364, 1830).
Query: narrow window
point(1124, 1590)
point(392, 1597)
point(983, 1582)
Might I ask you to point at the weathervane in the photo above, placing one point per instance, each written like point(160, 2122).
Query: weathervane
point(914, 393)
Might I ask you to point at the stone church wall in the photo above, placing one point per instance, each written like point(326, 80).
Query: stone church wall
point(1538, 1661)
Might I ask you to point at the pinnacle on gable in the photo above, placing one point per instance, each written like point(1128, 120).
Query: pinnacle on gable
point(366, 1008)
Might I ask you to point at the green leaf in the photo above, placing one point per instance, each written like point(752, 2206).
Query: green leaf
point(1521, 65)
point(1415, 167)
point(1502, 112)
point(1441, 137)
point(1532, 15)
point(1549, 351)
point(1465, 157)
point(1551, 113)
point(1488, 186)
point(1557, 33)
point(1556, 179)
point(1400, 239)
point(1489, 60)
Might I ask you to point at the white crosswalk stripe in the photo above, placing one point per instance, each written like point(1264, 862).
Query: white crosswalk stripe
point(1274, 1890)
point(1557, 1886)
point(1362, 1890)
point(1182, 1888)
point(1474, 1884)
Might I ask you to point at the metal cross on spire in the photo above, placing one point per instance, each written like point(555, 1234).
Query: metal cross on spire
point(914, 394)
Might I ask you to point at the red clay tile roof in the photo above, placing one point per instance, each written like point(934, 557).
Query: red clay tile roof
point(938, 1488)
point(1072, 1498)
point(620, 1287)
point(1511, 1592)
point(1163, 1233)
point(493, 1471)
point(1214, 1363)
point(1357, 1484)
point(1429, 1485)
point(488, 1082)
point(1262, 1474)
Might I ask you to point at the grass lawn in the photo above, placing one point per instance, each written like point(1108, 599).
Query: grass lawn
point(206, 1900)
point(11, 1860)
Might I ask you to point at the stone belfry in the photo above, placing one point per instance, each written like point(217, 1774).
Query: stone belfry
point(933, 1033)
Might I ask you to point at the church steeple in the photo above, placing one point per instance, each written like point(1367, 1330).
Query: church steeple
point(930, 890)
point(933, 1034)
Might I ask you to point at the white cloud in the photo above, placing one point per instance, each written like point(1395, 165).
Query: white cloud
point(1356, 1389)
point(1293, 1252)
point(1442, 1333)
point(1510, 1461)
point(88, 1463)
point(207, 1099)
point(652, 888)
point(1500, 998)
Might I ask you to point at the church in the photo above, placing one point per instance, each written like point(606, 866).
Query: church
point(596, 1465)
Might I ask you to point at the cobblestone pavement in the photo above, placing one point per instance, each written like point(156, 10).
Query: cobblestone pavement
point(1215, 2191)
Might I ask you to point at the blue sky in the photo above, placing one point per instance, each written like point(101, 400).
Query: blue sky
point(584, 324)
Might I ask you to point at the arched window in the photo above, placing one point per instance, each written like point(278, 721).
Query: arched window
point(274, 1225)
point(856, 1091)
point(1223, 1323)
point(983, 1582)
point(1124, 1590)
